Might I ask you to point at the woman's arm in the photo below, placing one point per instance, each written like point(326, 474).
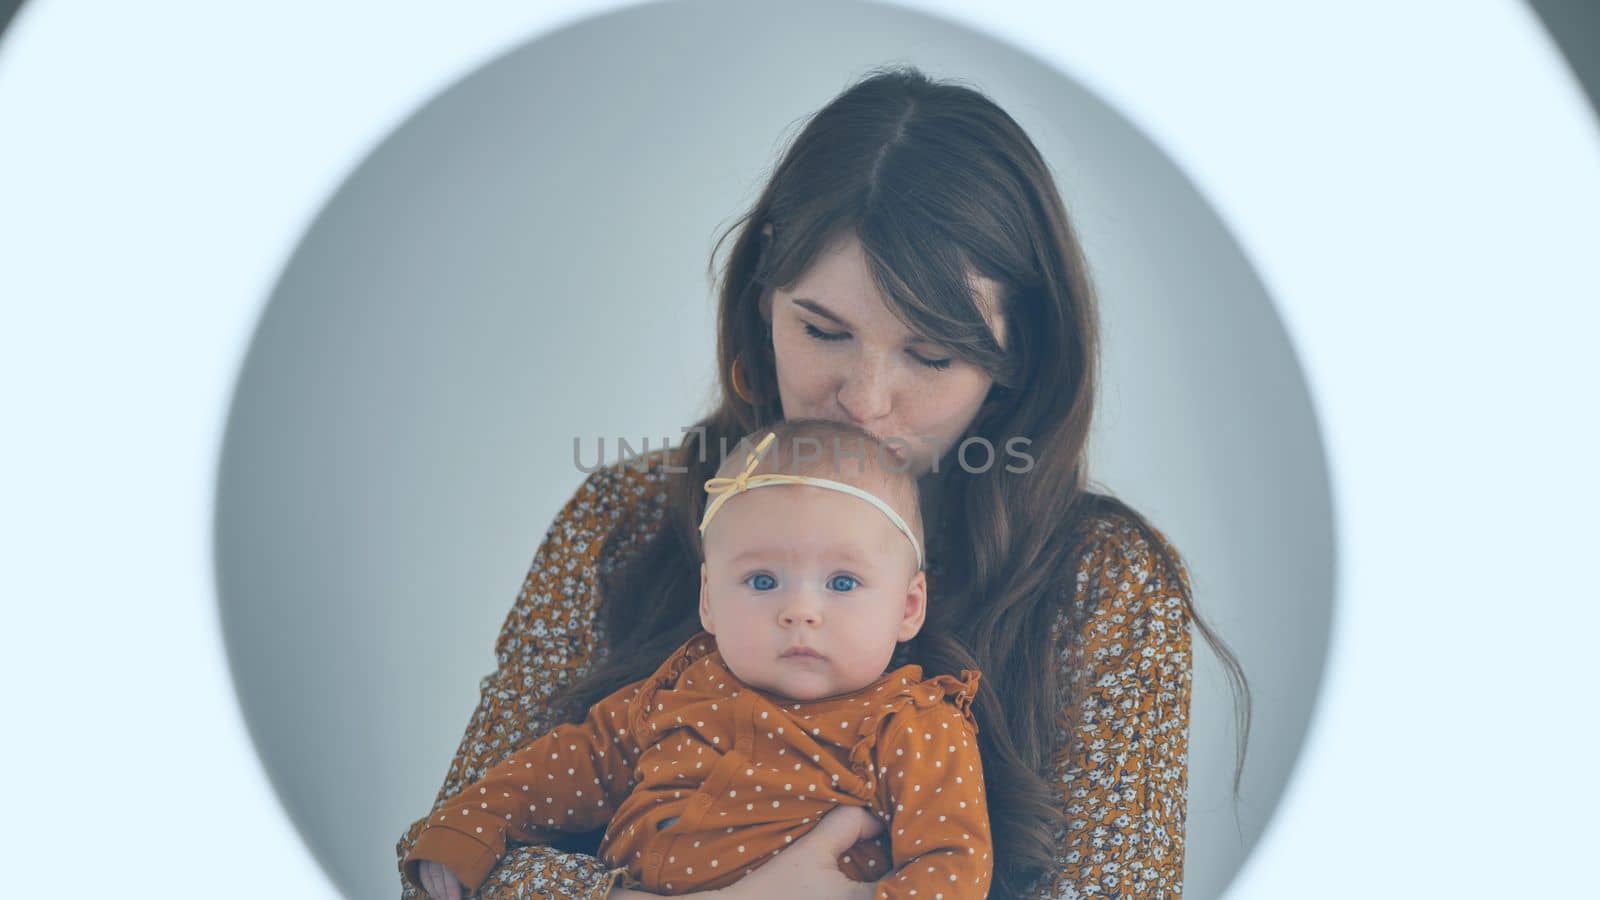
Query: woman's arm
point(1124, 775)
point(547, 640)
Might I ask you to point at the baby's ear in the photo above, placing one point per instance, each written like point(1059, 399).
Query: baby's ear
point(705, 603)
point(916, 611)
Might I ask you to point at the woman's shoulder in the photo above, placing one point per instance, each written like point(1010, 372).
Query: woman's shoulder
point(620, 485)
point(1114, 543)
point(616, 506)
point(614, 509)
point(632, 489)
point(1127, 577)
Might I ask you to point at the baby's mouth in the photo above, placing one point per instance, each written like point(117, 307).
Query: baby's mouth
point(801, 653)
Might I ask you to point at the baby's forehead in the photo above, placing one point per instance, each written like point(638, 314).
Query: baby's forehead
point(767, 523)
point(744, 551)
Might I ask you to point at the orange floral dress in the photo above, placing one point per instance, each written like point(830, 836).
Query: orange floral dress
point(1122, 774)
point(698, 779)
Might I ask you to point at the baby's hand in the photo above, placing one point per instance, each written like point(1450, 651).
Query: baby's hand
point(440, 884)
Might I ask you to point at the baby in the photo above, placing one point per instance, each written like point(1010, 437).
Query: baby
point(780, 710)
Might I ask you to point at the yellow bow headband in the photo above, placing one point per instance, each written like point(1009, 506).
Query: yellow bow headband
point(723, 488)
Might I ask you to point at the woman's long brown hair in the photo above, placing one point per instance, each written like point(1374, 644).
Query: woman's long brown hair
point(936, 182)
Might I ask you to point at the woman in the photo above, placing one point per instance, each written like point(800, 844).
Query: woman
point(909, 268)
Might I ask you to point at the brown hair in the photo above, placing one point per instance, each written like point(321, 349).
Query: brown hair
point(936, 182)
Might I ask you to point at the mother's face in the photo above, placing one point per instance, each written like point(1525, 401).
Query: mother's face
point(842, 355)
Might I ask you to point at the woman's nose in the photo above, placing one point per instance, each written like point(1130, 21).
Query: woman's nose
point(865, 394)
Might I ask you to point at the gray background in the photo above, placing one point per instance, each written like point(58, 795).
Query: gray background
point(524, 262)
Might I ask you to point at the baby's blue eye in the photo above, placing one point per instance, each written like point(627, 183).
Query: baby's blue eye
point(842, 583)
point(762, 581)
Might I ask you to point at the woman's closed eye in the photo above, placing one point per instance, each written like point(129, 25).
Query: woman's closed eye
point(819, 334)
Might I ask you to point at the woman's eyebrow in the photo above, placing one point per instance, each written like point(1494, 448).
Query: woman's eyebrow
point(820, 310)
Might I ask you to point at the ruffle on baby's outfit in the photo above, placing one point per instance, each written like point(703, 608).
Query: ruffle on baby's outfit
point(666, 676)
point(960, 692)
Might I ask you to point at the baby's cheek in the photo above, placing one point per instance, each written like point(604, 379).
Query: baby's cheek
point(869, 654)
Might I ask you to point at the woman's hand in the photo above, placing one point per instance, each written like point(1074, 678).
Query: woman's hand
point(806, 870)
point(438, 882)
point(809, 868)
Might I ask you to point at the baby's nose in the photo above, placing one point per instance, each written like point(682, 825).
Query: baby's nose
point(806, 616)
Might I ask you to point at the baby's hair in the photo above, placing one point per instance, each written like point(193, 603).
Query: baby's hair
point(838, 451)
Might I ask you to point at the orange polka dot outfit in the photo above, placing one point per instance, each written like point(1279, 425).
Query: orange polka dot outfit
point(699, 778)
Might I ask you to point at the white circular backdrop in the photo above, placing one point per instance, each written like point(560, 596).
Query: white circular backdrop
point(1416, 190)
point(516, 267)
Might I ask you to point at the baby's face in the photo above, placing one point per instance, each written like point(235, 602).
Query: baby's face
point(793, 566)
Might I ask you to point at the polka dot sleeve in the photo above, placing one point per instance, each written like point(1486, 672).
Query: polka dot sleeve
point(572, 779)
point(931, 778)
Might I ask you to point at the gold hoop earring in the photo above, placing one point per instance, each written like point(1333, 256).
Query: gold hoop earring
point(736, 381)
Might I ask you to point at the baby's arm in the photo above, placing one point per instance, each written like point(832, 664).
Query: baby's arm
point(572, 779)
point(931, 778)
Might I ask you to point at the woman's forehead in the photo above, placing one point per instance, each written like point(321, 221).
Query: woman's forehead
point(839, 285)
point(840, 276)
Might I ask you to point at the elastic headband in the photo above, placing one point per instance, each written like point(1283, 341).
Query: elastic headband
point(723, 488)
